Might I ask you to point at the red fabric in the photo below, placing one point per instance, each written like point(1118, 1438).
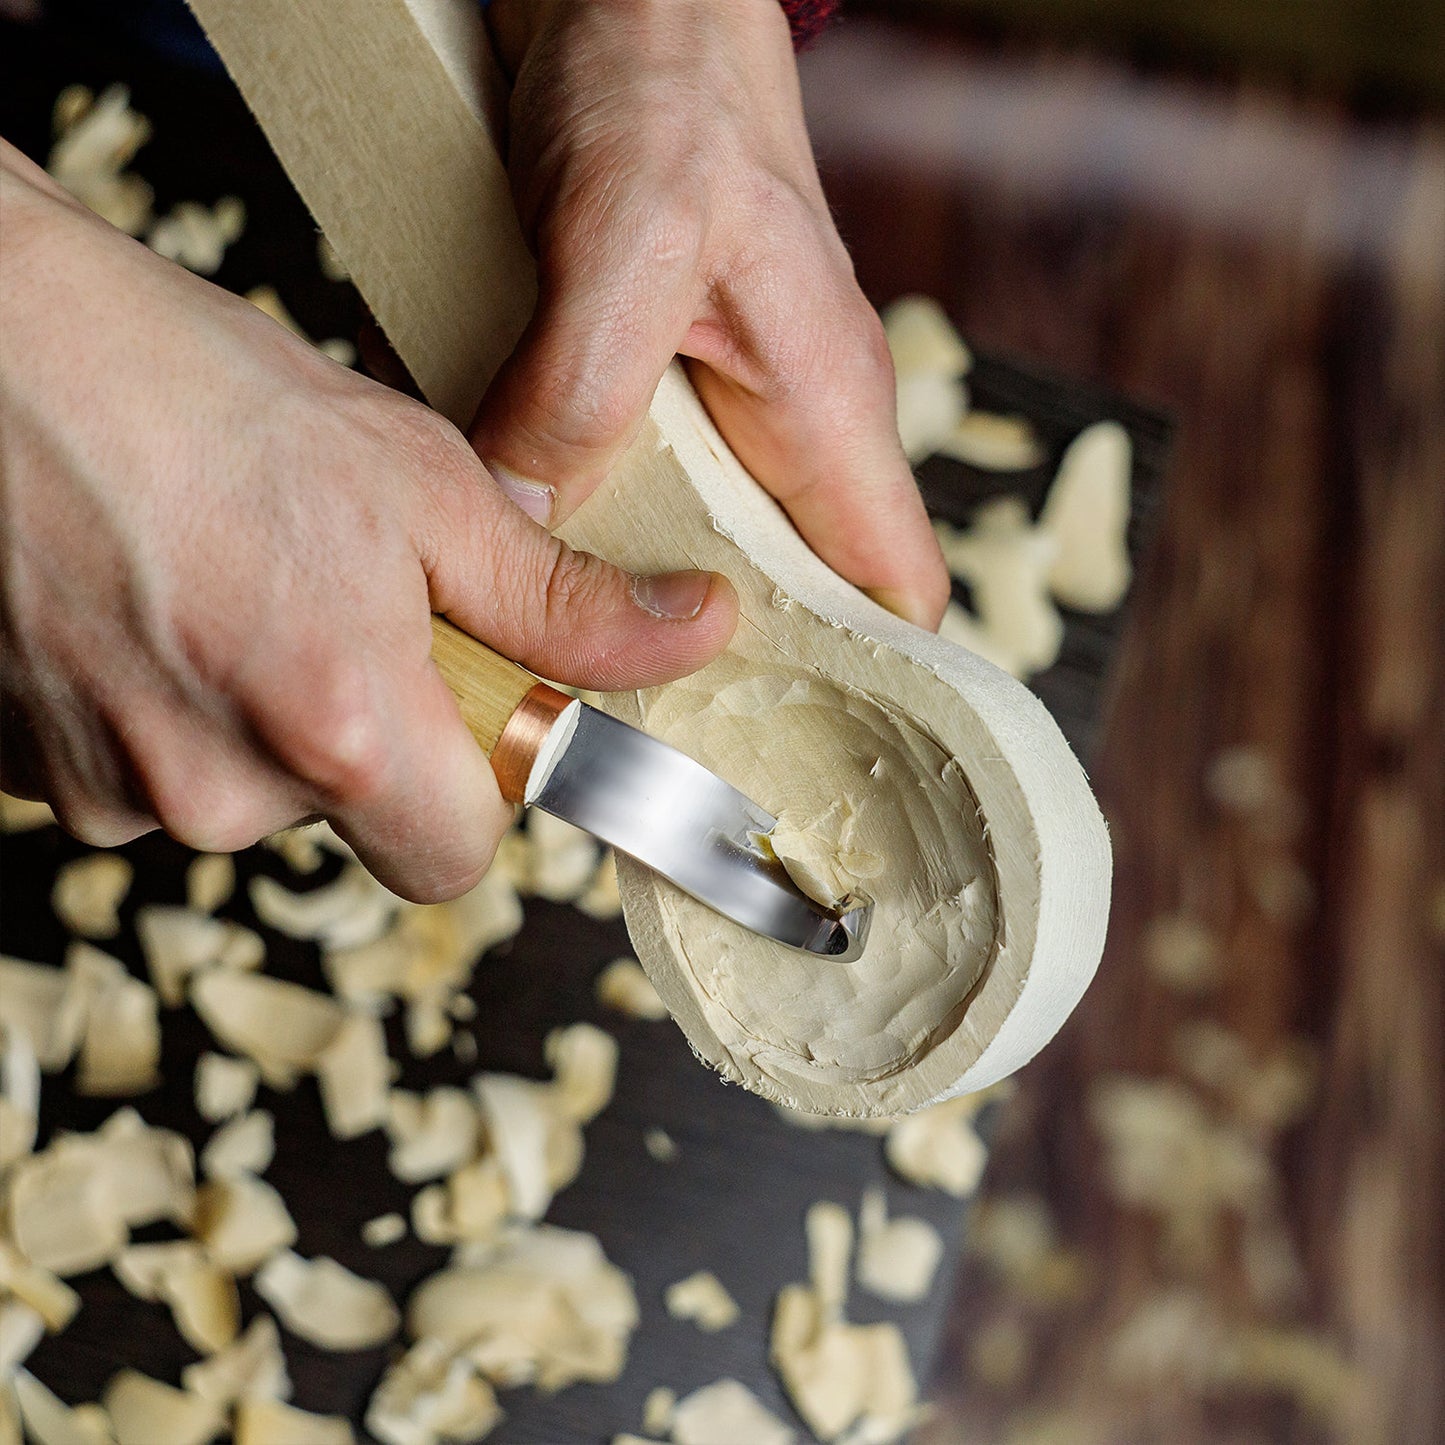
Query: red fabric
point(808, 19)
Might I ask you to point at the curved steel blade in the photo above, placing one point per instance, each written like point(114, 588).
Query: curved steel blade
point(661, 807)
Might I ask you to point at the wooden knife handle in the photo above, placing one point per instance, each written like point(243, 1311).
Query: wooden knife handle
point(507, 709)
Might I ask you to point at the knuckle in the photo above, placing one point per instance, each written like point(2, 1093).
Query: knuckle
point(573, 582)
point(102, 825)
point(342, 753)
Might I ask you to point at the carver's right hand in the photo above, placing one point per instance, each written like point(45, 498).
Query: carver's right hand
point(220, 554)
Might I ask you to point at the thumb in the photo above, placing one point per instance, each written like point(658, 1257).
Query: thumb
point(568, 615)
point(576, 389)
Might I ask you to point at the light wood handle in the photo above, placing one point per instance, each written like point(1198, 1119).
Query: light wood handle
point(488, 687)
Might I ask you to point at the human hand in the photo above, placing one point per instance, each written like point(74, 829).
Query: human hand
point(220, 555)
point(665, 182)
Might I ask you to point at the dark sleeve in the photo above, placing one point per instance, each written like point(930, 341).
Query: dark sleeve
point(808, 19)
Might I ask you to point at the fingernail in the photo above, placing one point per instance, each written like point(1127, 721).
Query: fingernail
point(674, 595)
point(535, 499)
point(900, 604)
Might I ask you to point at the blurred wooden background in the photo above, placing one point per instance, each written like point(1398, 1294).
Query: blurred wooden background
point(1270, 269)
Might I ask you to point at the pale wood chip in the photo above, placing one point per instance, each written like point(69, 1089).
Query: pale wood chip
point(603, 897)
point(225, 1087)
point(994, 443)
point(252, 1367)
point(938, 1148)
point(197, 236)
point(88, 893)
point(180, 942)
point(46, 1005)
point(660, 1145)
point(210, 881)
point(269, 1422)
point(703, 1299)
point(21, 1329)
point(1087, 515)
point(244, 1145)
point(897, 1258)
point(657, 1410)
point(19, 1095)
point(285, 1028)
point(922, 338)
point(583, 1059)
point(623, 986)
point(432, 1395)
point(201, 1296)
point(354, 1073)
point(727, 1413)
point(144, 1411)
point(541, 1305)
point(353, 910)
point(50, 1297)
point(120, 1047)
point(383, 1230)
point(431, 1134)
point(325, 1303)
point(21, 815)
point(49, 1421)
point(242, 1222)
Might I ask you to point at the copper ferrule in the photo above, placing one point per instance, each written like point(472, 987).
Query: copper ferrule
point(523, 736)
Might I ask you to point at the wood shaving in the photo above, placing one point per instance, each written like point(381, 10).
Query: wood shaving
point(660, 1145)
point(727, 1413)
point(21, 815)
point(38, 1289)
point(252, 1367)
point(1016, 1237)
point(542, 1305)
point(922, 338)
point(1006, 561)
point(144, 1411)
point(225, 1087)
point(470, 1207)
point(325, 1303)
point(210, 881)
point(623, 986)
point(1087, 516)
point(244, 1145)
point(331, 264)
point(96, 143)
point(432, 1395)
point(45, 1006)
point(551, 859)
point(603, 898)
point(1166, 1154)
point(657, 1410)
point(353, 910)
point(201, 1296)
point(524, 1127)
point(431, 1134)
point(839, 1376)
point(120, 1047)
point(21, 1329)
point(198, 236)
point(71, 1207)
point(939, 1148)
point(269, 1422)
point(383, 1230)
point(583, 1060)
point(993, 443)
point(897, 1258)
point(703, 1299)
point(19, 1095)
point(285, 1028)
point(180, 942)
point(242, 1222)
point(88, 892)
point(1182, 954)
point(1244, 780)
point(354, 1073)
point(49, 1421)
point(304, 849)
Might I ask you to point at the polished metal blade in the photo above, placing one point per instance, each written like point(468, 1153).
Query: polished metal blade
point(661, 807)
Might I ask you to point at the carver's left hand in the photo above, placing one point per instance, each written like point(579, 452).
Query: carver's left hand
point(666, 184)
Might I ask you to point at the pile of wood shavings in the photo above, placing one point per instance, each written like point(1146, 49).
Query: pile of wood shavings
point(1018, 570)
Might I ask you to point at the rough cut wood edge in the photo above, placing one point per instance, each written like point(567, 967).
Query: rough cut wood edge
point(375, 109)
